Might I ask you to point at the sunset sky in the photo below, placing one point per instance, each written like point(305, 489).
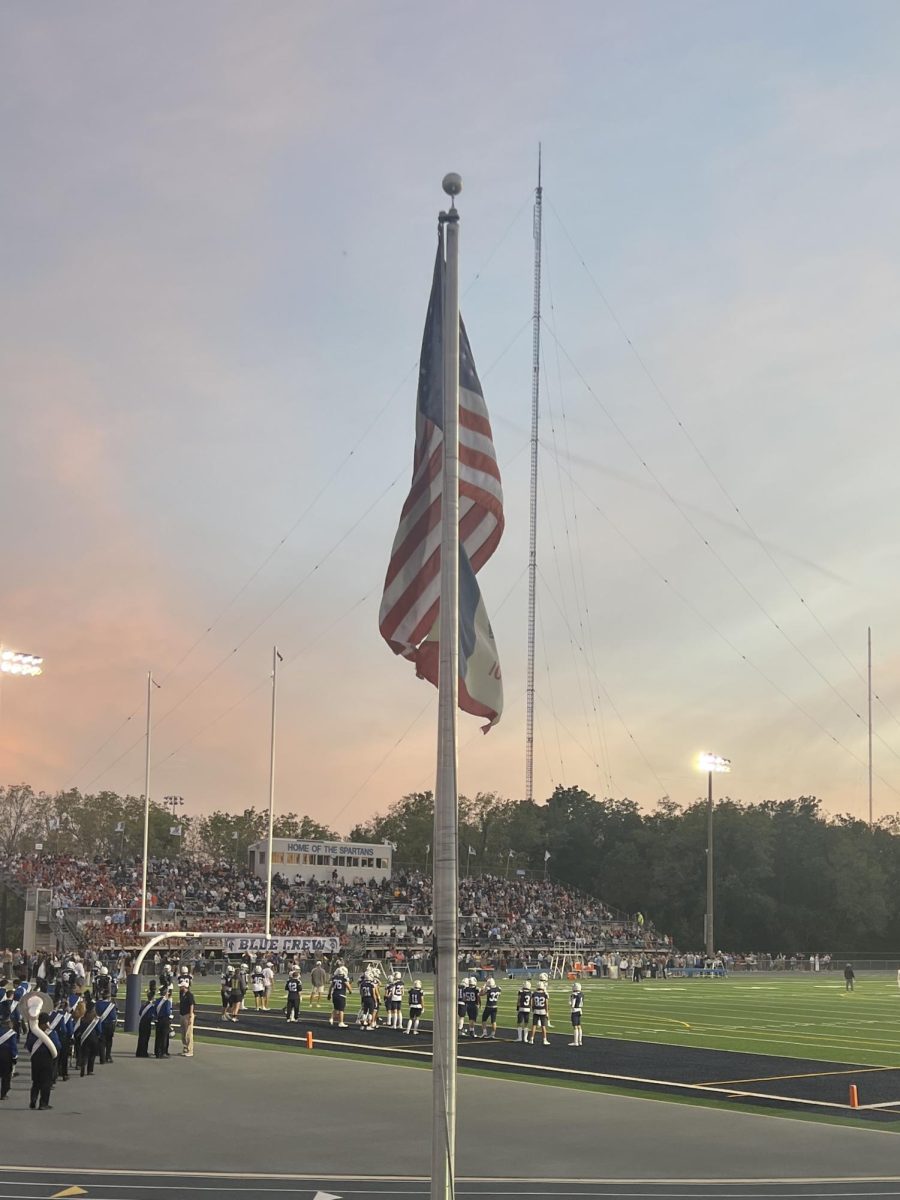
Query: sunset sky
point(218, 235)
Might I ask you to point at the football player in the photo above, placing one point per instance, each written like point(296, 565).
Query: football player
point(416, 1004)
point(368, 993)
point(225, 989)
point(523, 1011)
point(490, 994)
point(576, 1004)
point(338, 992)
point(294, 988)
point(258, 985)
point(394, 999)
point(540, 1011)
point(470, 993)
point(545, 978)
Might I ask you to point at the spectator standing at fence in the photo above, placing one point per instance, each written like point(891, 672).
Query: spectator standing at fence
point(849, 977)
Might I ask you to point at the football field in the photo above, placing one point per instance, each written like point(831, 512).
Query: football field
point(808, 1016)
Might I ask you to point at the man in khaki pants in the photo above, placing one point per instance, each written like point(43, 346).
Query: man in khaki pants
point(186, 1006)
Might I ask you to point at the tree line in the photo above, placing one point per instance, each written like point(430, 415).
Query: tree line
point(789, 877)
point(106, 825)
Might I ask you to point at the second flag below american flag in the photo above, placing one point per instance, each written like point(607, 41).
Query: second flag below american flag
point(409, 615)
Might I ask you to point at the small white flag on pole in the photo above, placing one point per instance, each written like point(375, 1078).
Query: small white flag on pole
point(546, 855)
point(511, 854)
point(471, 851)
point(120, 828)
point(174, 831)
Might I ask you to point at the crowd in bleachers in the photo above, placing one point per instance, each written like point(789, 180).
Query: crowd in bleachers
point(104, 896)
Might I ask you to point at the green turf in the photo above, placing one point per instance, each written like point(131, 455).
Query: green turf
point(805, 1016)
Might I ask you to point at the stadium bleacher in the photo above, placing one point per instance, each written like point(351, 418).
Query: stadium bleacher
point(511, 920)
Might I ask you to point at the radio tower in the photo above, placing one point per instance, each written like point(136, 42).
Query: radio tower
point(532, 508)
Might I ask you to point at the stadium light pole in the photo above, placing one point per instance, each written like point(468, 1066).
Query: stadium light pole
point(276, 659)
point(14, 662)
point(713, 764)
point(151, 684)
point(174, 803)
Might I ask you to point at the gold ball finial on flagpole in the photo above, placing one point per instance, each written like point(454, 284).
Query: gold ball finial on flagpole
point(452, 184)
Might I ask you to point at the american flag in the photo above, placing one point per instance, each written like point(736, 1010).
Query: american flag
point(409, 607)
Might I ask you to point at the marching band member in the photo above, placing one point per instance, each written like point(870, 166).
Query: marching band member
point(43, 1050)
point(145, 1023)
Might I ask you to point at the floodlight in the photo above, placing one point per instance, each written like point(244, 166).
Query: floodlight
point(12, 662)
point(713, 762)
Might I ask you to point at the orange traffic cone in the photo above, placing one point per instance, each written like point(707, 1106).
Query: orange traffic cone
point(854, 1096)
point(309, 1039)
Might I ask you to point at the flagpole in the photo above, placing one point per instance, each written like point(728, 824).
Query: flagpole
point(532, 495)
point(446, 801)
point(275, 660)
point(870, 725)
point(146, 807)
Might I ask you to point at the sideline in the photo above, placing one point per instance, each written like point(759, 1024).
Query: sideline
point(513, 1068)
